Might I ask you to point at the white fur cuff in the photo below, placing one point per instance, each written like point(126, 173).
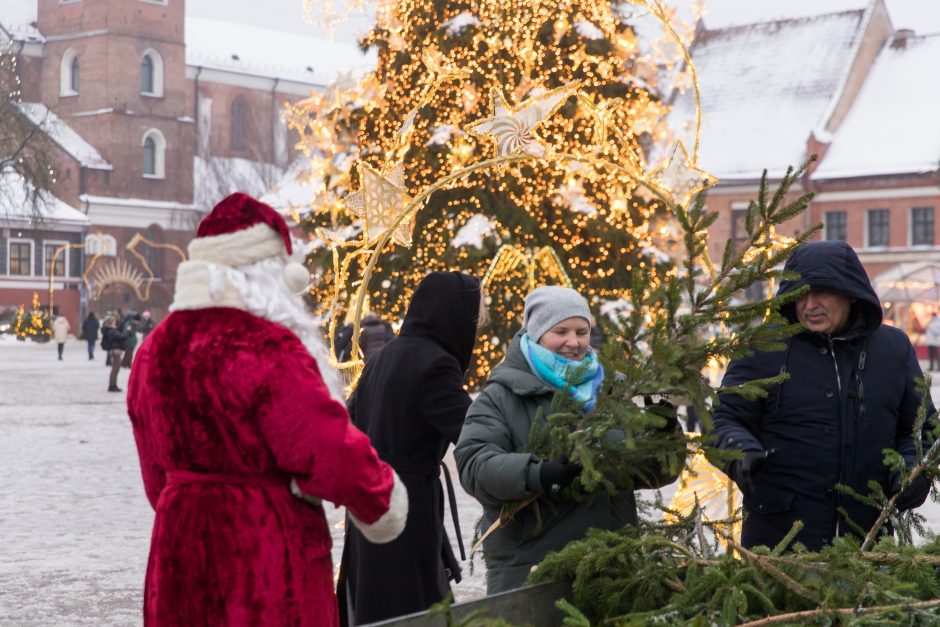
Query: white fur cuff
point(392, 522)
point(239, 248)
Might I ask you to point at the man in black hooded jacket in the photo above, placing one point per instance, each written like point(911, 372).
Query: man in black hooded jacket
point(851, 394)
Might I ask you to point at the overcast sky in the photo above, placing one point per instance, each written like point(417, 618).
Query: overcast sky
point(921, 15)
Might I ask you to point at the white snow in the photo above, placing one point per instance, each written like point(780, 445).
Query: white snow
point(893, 126)
point(473, 232)
point(14, 208)
point(64, 135)
point(463, 20)
point(74, 521)
point(294, 190)
point(251, 50)
point(440, 135)
point(588, 30)
point(764, 88)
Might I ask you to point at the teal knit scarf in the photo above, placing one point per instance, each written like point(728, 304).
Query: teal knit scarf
point(580, 378)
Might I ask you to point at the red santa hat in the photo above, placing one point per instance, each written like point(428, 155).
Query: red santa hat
point(240, 231)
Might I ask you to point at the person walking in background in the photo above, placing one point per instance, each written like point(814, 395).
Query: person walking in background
point(551, 352)
point(851, 394)
point(113, 340)
point(932, 340)
point(129, 327)
point(373, 336)
point(90, 329)
point(411, 403)
point(241, 430)
point(60, 333)
point(147, 323)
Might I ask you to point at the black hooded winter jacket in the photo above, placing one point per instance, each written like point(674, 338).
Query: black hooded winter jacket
point(849, 396)
point(411, 403)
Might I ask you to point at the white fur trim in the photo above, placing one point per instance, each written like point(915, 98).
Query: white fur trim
point(392, 522)
point(239, 248)
point(296, 276)
point(194, 289)
point(303, 496)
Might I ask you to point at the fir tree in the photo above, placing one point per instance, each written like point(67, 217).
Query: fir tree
point(598, 223)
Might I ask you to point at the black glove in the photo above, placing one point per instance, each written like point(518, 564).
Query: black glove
point(913, 495)
point(663, 409)
point(557, 474)
point(744, 470)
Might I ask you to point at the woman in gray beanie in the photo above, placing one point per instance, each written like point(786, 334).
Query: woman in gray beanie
point(551, 352)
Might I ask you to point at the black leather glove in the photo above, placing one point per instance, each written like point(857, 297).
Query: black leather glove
point(913, 495)
point(557, 474)
point(744, 470)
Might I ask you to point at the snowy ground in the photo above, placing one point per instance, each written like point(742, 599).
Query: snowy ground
point(74, 521)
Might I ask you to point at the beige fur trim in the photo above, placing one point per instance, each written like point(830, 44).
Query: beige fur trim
point(239, 248)
point(192, 289)
point(392, 522)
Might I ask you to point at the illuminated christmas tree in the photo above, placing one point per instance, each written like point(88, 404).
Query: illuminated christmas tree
point(563, 85)
point(33, 324)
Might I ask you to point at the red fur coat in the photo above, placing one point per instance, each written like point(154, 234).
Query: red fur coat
point(227, 409)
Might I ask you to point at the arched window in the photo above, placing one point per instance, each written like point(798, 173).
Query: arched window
point(151, 73)
point(100, 244)
point(68, 73)
point(154, 146)
point(238, 122)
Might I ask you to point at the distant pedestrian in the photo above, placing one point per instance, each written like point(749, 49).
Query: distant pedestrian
point(113, 340)
point(373, 335)
point(60, 333)
point(342, 342)
point(129, 327)
point(932, 340)
point(147, 323)
point(90, 331)
point(596, 338)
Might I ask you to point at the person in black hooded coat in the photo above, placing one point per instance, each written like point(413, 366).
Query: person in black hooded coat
point(411, 402)
point(851, 394)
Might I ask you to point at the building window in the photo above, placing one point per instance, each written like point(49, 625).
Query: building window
point(922, 226)
point(68, 73)
point(834, 226)
point(879, 227)
point(238, 124)
point(101, 244)
point(20, 257)
point(154, 146)
point(738, 231)
point(61, 263)
point(151, 73)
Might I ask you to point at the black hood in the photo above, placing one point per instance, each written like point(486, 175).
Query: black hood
point(833, 266)
point(444, 308)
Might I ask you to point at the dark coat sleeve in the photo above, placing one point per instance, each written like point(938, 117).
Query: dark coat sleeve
point(444, 401)
point(737, 419)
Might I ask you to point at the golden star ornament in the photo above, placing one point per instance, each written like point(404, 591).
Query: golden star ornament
point(380, 202)
point(680, 177)
point(512, 128)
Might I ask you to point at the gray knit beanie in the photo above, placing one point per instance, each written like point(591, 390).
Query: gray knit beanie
point(548, 305)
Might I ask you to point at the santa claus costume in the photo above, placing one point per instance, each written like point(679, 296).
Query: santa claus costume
point(241, 430)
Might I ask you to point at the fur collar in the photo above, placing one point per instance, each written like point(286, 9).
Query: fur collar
point(193, 280)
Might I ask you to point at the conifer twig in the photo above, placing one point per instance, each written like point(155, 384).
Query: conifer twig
point(759, 561)
point(798, 617)
point(889, 506)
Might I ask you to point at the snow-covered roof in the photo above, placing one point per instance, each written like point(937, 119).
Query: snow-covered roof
point(18, 18)
point(764, 88)
point(893, 126)
point(64, 135)
point(251, 50)
point(15, 208)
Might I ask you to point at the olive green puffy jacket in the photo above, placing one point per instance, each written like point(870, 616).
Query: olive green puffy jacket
point(495, 469)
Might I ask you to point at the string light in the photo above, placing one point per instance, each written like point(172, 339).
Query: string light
point(573, 104)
